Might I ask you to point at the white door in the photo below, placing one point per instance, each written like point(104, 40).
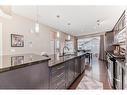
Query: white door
point(0, 45)
point(0, 38)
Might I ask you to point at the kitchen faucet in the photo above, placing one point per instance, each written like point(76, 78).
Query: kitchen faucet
point(65, 47)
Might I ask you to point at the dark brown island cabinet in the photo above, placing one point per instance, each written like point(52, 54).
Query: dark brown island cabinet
point(64, 74)
point(37, 72)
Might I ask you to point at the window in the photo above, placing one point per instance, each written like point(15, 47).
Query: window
point(92, 43)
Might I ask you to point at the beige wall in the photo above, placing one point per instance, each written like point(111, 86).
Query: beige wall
point(41, 42)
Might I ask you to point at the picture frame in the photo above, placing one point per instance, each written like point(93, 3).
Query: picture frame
point(17, 40)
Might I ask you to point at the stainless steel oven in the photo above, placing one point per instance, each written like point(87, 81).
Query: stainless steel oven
point(116, 71)
point(119, 76)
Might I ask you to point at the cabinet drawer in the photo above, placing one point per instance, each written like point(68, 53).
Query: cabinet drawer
point(58, 68)
point(58, 78)
point(59, 85)
point(57, 73)
point(58, 82)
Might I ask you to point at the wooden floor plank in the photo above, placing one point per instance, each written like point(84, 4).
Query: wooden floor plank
point(97, 70)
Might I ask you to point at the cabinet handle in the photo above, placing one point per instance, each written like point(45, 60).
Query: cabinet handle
point(60, 67)
point(60, 82)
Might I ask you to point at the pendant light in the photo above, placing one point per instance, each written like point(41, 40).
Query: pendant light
point(36, 20)
point(69, 37)
point(58, 33)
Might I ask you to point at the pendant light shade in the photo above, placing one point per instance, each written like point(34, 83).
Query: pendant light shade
point(69, 37)
point(37, 28)
point(58, 34)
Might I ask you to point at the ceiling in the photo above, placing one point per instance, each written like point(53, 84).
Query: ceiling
point(82, 19)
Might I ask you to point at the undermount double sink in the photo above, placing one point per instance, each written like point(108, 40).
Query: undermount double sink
point(66, 55)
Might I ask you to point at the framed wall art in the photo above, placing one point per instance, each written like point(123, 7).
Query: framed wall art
point(17, 40)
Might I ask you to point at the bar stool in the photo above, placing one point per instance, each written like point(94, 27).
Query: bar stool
point(89, 56)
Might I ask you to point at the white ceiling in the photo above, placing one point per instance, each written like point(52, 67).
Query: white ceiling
point(83, 19)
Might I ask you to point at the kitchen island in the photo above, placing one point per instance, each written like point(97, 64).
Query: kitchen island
point(30, 71)
point(26, 71)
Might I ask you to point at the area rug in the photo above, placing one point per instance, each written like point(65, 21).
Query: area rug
point(87, 83)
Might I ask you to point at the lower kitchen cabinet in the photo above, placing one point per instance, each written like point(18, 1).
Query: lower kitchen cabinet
point(70, 72)
point(42, 74)
point(77, 67)
point(30, 77)
point(82, 62)
point(64, 74)
point(58, 77)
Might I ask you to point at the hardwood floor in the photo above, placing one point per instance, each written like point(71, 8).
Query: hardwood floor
point(96, 70)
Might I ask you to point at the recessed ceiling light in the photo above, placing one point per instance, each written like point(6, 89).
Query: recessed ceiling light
point(58, 16)
point(68, 23)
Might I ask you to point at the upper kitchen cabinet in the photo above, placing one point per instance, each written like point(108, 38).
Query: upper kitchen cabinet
point(117, 36)
point(120, 30)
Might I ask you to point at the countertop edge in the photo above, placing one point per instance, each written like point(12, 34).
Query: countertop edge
point(23, 65)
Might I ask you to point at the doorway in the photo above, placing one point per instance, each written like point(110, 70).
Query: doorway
point(90, 43)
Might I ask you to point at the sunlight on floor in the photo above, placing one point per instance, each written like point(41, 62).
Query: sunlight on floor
point(95, 77)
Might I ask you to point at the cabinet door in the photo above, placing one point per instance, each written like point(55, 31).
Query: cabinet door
point(82, 63)
point(57, 77)
point(30, 77)
point(77, 67)
point(70, 72)
point(72, 69)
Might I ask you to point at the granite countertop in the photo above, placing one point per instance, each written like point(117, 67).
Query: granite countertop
point(10, 62)
point(56, 59)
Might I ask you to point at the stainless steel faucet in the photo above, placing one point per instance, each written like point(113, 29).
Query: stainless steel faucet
point(65, 47)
